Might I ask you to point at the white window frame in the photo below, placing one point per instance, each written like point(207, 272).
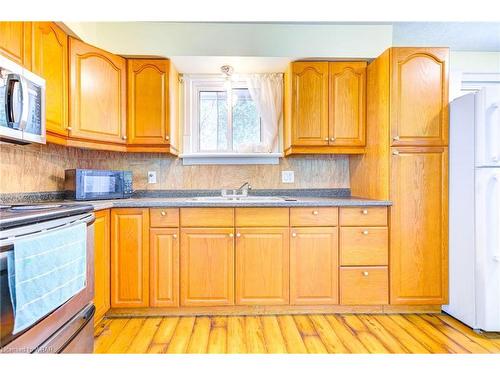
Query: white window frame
point(192, 155)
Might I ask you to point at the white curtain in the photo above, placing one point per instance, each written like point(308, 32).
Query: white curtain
point(266, 91)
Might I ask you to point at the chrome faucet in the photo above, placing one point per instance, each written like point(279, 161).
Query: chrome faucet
point(244, 191)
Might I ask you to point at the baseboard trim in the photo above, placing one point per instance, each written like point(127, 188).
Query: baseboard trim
point(271, 310)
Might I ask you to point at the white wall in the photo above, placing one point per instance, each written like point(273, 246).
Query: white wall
point(236, 39)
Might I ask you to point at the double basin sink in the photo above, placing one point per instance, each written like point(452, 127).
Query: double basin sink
point(256, 199)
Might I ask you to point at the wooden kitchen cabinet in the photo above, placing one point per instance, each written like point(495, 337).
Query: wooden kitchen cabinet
point(325, 107)
point(148, 102)
point(102, 264)
point(15, 42)
point(419, 97)
point(164, 267)
point(130, 257)
point(419, 226)
point(364, 286)
point(207, 266)
point(262, 266)
point(314, 266)
point(347, 100)
point(50, 61)
point(309, 122)
point(97, 94)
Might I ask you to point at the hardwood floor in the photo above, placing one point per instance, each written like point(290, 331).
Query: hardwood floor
point(340, 333)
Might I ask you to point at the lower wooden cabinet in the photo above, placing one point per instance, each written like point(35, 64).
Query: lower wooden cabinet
point(101, 264)
point(207, 266)
point(130, 257)
point(262, 266)
point(314, 266)
point(164, 267)
point(364, 286)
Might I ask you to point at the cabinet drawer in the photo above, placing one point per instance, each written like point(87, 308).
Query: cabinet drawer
point(207, 217)
point(364, 246)
point(313, 216)
point(356, 216)
point(262, 217)
point(364, 286)
point(164, 217)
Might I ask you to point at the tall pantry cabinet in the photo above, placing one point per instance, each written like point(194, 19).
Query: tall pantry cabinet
point(406, 161)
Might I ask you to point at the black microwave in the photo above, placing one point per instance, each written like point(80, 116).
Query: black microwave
point(90, 184)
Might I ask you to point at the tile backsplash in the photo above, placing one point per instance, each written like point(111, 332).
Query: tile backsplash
point(40, 168)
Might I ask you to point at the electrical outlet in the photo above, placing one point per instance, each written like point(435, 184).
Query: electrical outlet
point(287, 177)
point(152, 177)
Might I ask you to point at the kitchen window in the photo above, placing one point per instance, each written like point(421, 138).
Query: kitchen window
point(223, 124)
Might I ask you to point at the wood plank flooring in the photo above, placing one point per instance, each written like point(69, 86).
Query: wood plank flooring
point(322, 333)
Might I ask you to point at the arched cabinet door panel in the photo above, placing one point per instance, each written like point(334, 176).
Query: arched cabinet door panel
point(419, 97)
point(347, 103)
point(97, 94)
point(50, 61)
point(310, 104)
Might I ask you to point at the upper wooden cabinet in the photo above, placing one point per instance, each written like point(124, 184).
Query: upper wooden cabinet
point(325, 107)
point(419, 96)
point(50, 61)
point(102, 263)
point(262, 266)
point(419, 226)
point(15, 42)
point(309, 122)
point(347, 103)
point(129, 257)
point(97, 94)
point(148, 102)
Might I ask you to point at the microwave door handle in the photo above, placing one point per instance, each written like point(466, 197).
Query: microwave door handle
point(25, 105)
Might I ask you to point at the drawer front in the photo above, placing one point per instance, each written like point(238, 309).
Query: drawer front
point(364, 286)
point(262, 217)
point(313, 216)
point(164, 217)
point(364, 246)
point(207, 217)
point(359, 216)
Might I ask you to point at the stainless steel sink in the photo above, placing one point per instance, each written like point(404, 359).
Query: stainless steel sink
point(239, 199)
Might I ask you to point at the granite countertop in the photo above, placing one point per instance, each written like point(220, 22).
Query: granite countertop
point(190, 198)
point(191, 202)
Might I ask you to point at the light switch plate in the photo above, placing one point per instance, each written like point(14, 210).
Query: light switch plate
point(152, 177)
point(287, 177)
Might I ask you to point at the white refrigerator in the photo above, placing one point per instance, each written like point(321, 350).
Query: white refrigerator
point(474, 243)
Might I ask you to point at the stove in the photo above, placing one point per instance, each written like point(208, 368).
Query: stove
point(19, 215)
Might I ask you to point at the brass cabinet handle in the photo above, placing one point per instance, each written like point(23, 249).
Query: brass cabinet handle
point(167, 137)
point(315, 212)
point(395, 138)
point(365, 273)
point(175, 236)
point(124, 137)
point(365, 232)
point(231, 235)
point(69, 128)
point(332, 139)
point(238, 234)
point(395, 152)
point(326, 139)
point(163, 213)
point(364, 212)
point(294, 234)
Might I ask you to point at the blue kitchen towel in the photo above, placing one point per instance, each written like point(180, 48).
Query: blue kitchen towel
point(45, 270)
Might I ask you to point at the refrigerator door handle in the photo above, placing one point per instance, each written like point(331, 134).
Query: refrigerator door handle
point(494, 143)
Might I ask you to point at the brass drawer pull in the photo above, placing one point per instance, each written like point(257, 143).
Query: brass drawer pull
point(365, 232)
point(364, 212)
point(315, 212)
point(365, 273)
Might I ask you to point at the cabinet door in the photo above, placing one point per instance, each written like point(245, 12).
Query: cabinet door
point(102, 264)
point(14, 41)
point(310, 104)
point(207, 266)
point(164, 267)
point(262, 266)
point(314, 266)
point(419, 226)
point(419, 97)
point(50, 61)
point(129, 257)
point(148, 99)
point(347, 103)
point(98, 94)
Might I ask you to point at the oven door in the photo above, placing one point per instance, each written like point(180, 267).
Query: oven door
point(95, 184)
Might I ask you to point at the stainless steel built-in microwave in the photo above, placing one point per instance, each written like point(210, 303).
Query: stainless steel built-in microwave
point(22, 104)
point(90, 184)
